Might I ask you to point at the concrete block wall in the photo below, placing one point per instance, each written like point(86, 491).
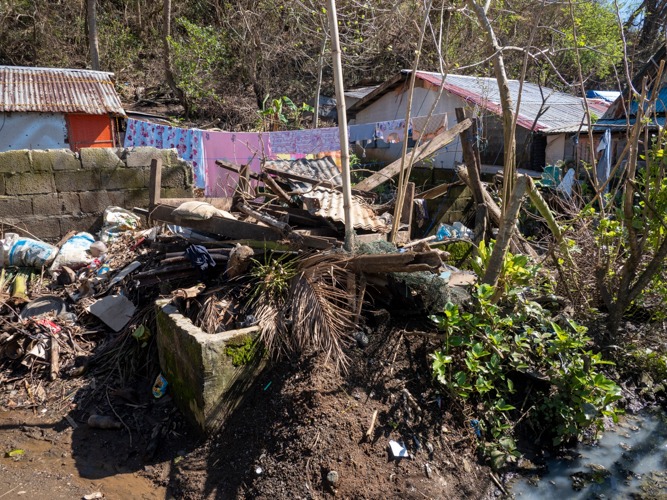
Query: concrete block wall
point(49, 193)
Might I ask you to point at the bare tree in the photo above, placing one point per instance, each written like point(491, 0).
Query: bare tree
point(168, 73)
point(92, 35)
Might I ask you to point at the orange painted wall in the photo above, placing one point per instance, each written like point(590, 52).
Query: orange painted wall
point(89, 131)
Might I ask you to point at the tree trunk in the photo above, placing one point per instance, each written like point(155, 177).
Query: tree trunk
point(168, 73)
point(92, 35)
point(509, 164)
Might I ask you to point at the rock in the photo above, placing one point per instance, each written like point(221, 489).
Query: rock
point(429, 472)
point(429, 446)
point(332, 478)
point(98, 248)
point(66, 276)
point(646, 381)
point(361, 338)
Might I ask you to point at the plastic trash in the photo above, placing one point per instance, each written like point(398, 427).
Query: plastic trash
point(46, 305)
point(102, 422)
point(25, 252)
point(74, 253)
point(398, 450)
point(117, 220)
point(443, 232)
point(160, 386)
point(463, 232)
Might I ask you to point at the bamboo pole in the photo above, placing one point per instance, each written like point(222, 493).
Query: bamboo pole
point(320, 64)
point(402, 184)
point(342, 126)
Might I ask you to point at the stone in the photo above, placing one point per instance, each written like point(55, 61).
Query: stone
point(79, 180)
point(11, 206)
point(46, 204)
point(54, 159)
point(95, 202)
point(332, 478)
point(99, 159)
point(122, 178)
point(15, 161)
point(69, 203)
point(29, 183)
point(141, 156)
point(205, 384)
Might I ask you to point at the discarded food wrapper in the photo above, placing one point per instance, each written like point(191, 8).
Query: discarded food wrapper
point(398, 450)
point(117, 220)
point(114, 310)
point(160, 386)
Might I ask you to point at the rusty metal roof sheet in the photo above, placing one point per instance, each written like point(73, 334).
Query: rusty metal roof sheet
point(327, 202)
point(321, 169)
point(56, 89)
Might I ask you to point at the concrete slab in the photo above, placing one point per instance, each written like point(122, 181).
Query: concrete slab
point(200, 367)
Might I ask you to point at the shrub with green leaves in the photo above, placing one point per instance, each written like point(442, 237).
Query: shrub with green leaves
point(483, 347)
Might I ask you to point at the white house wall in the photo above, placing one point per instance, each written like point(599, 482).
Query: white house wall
point(555, 148)
point(393, 107)
point(32, 131)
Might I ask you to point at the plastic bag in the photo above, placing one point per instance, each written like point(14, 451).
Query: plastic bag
point(463, 232)
point(25, 252)
point(117, 220)
point(74, 253)
point(443, 232)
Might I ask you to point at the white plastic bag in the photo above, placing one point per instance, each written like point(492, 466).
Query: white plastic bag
point(117, 220)
point(74, 253)
point(25, 252)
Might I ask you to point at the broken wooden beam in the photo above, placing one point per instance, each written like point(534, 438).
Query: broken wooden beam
point(406, 262)
point(425, 150)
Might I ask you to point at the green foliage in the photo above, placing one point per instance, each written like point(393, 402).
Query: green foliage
point(272, 278)
point(197, 57)
point(516, 272)
point(119, 47)
point(483, 348)
point(278, 112)
point(245, 352)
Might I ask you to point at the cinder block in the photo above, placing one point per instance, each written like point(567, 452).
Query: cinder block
point(122, 178)
point(90, 223)
point(187, 167)
point(12, 206)
point(15, 161)
point(116, 198)
point(69, 203)
point(136, 198)
point(79, 180)
point(46, 204)
point(47, 228)
point(29, 183)
point(177, 192)
point(55, 159)
point(99, 158)
point(172, 177)
point(97, 202)
point(142, 156)
point(199, 367)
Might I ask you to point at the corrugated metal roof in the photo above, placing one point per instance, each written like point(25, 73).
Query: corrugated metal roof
point(323, 201)
point(326, 202)
point(360, 92)
point(607, 95)
point(562, 108)
point(660, 102)
point(621, 124)
point(56, 89)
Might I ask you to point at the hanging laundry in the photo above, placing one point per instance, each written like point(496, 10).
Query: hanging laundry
point(604, 163)
point(188, 142)
point(392, 131)
point(364, 132)
point(436, 126)
point(283, 142)
point(242, 148)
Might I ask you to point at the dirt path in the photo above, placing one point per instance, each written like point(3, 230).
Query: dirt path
point(60, 462)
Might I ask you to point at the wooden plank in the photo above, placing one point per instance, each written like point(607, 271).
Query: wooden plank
point(395, 262)
point(437, 191)
point(408, 203)
point(232, 229)
point(308, 180)
point(155, 182)
point(425, 150)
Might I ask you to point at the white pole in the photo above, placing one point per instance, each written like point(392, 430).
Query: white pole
point(342, 126)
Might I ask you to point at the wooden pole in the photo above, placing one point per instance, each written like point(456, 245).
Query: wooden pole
point(320, 64)
point(401, 183)
point(342, 126)
point(470, 158)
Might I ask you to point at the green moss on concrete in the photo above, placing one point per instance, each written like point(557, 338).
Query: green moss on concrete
point(245, 351)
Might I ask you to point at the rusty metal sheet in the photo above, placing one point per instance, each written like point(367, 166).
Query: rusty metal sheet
point(56, 89)
point(327, 202)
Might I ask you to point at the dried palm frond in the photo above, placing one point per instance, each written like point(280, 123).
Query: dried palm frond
point(270, 313)
point(321, 316)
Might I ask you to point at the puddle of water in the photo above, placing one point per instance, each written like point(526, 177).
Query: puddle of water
point(629, 462)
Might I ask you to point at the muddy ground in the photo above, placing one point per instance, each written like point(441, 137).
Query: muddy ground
point(302, 422)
